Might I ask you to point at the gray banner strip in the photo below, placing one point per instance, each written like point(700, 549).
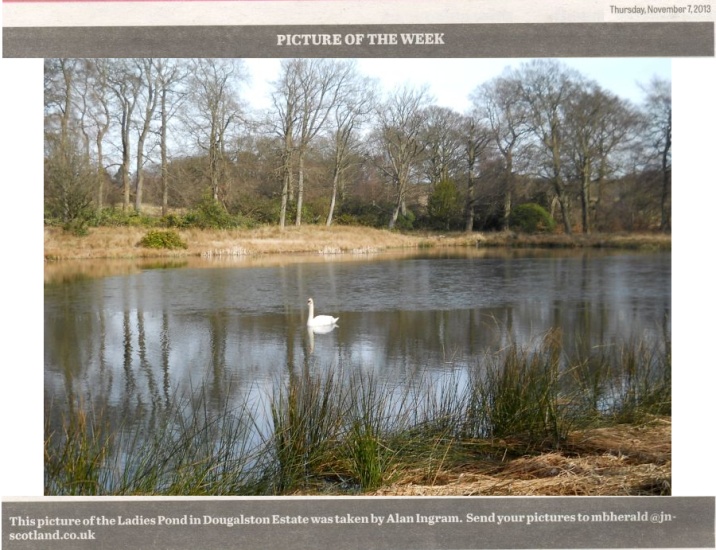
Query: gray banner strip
point(417, 523)
point(473, 40)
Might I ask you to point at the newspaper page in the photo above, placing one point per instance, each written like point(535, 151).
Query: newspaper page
point(357, 274)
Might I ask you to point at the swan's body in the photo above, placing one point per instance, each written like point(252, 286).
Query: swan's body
point(319, 320)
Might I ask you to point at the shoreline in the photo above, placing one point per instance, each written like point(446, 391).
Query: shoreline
point(121, 242)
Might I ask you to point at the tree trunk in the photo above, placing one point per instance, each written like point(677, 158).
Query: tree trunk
point(394, 217)
point(665, 181)
point(140, 174)
point(163, 147)
point(284, 202)
point(507, 208)
point(470, 199)
point(286, 188)
point(400, 206)
point(299, 198)
point(507, 203)
point(214, 169)
point(585, 198)
point(470, 204)
point(563, 200)
point(125, 162)
point(100, 173)
point(333, 197)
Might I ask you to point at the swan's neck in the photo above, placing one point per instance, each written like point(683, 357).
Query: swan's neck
point(310, 311)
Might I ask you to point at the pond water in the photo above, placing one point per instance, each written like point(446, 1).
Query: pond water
point(135, 336)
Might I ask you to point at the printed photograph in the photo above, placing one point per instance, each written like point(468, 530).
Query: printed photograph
point(357, 277)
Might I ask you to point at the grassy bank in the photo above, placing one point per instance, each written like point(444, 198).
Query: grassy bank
point(122, 242)
point(529, 422)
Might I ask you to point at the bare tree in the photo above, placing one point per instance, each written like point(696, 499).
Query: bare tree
point(400, 122)
point(303, 98)
point(501, 106)
point(147, 72)
point(545, 87)
point(443, 143)
point(215, 113)
point(68, 175)
point(98, 70)
point(353, 107)
point(285, 98)
point(657, 116)
point(171, 73)
point(475, 139)
point(124, 79)
point(82, 92)
point(598, 124)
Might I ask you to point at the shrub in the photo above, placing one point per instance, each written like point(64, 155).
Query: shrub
point(114, 217)
point(77, 226)
point(444, 208)
point(162, 239)
point(531, 218)
point(211, 214)
point(405, 222)
point(172, 220)
point(69, 185)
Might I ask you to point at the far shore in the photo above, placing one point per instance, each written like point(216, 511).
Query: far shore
point(122, 242)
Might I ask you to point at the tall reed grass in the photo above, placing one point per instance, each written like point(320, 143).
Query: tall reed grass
point(340, 431)
point(306, 423)
point(186, 449)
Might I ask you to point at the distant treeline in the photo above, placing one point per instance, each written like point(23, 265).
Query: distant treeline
point(173, 137)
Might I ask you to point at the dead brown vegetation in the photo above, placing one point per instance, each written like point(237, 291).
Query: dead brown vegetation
point(610, 461)
point(121, 242)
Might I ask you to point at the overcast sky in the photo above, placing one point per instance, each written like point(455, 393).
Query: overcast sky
point(452, 80)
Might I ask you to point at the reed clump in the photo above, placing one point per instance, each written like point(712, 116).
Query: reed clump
point(517, 417)
point(523, 396)
point(306, 423)
point(188, 448)
point(76, 456)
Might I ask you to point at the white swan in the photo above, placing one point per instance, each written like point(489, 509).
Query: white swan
point(319, 320)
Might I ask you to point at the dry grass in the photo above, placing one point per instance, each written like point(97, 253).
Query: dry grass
point(657, 241)
point(615, 461)
point(121, 242)
point(104, 242)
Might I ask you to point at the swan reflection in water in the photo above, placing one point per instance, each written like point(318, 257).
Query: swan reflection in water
point(319, 329)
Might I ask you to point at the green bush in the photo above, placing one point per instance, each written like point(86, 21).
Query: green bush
point(444, 208)
point(210, 214)
point(531, 218)
point(405, 222)
point(76, 226)
point(113, 217)
point(172, 220)
point(162, 239)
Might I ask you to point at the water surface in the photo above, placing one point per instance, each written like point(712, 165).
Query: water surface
point(134, 337)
